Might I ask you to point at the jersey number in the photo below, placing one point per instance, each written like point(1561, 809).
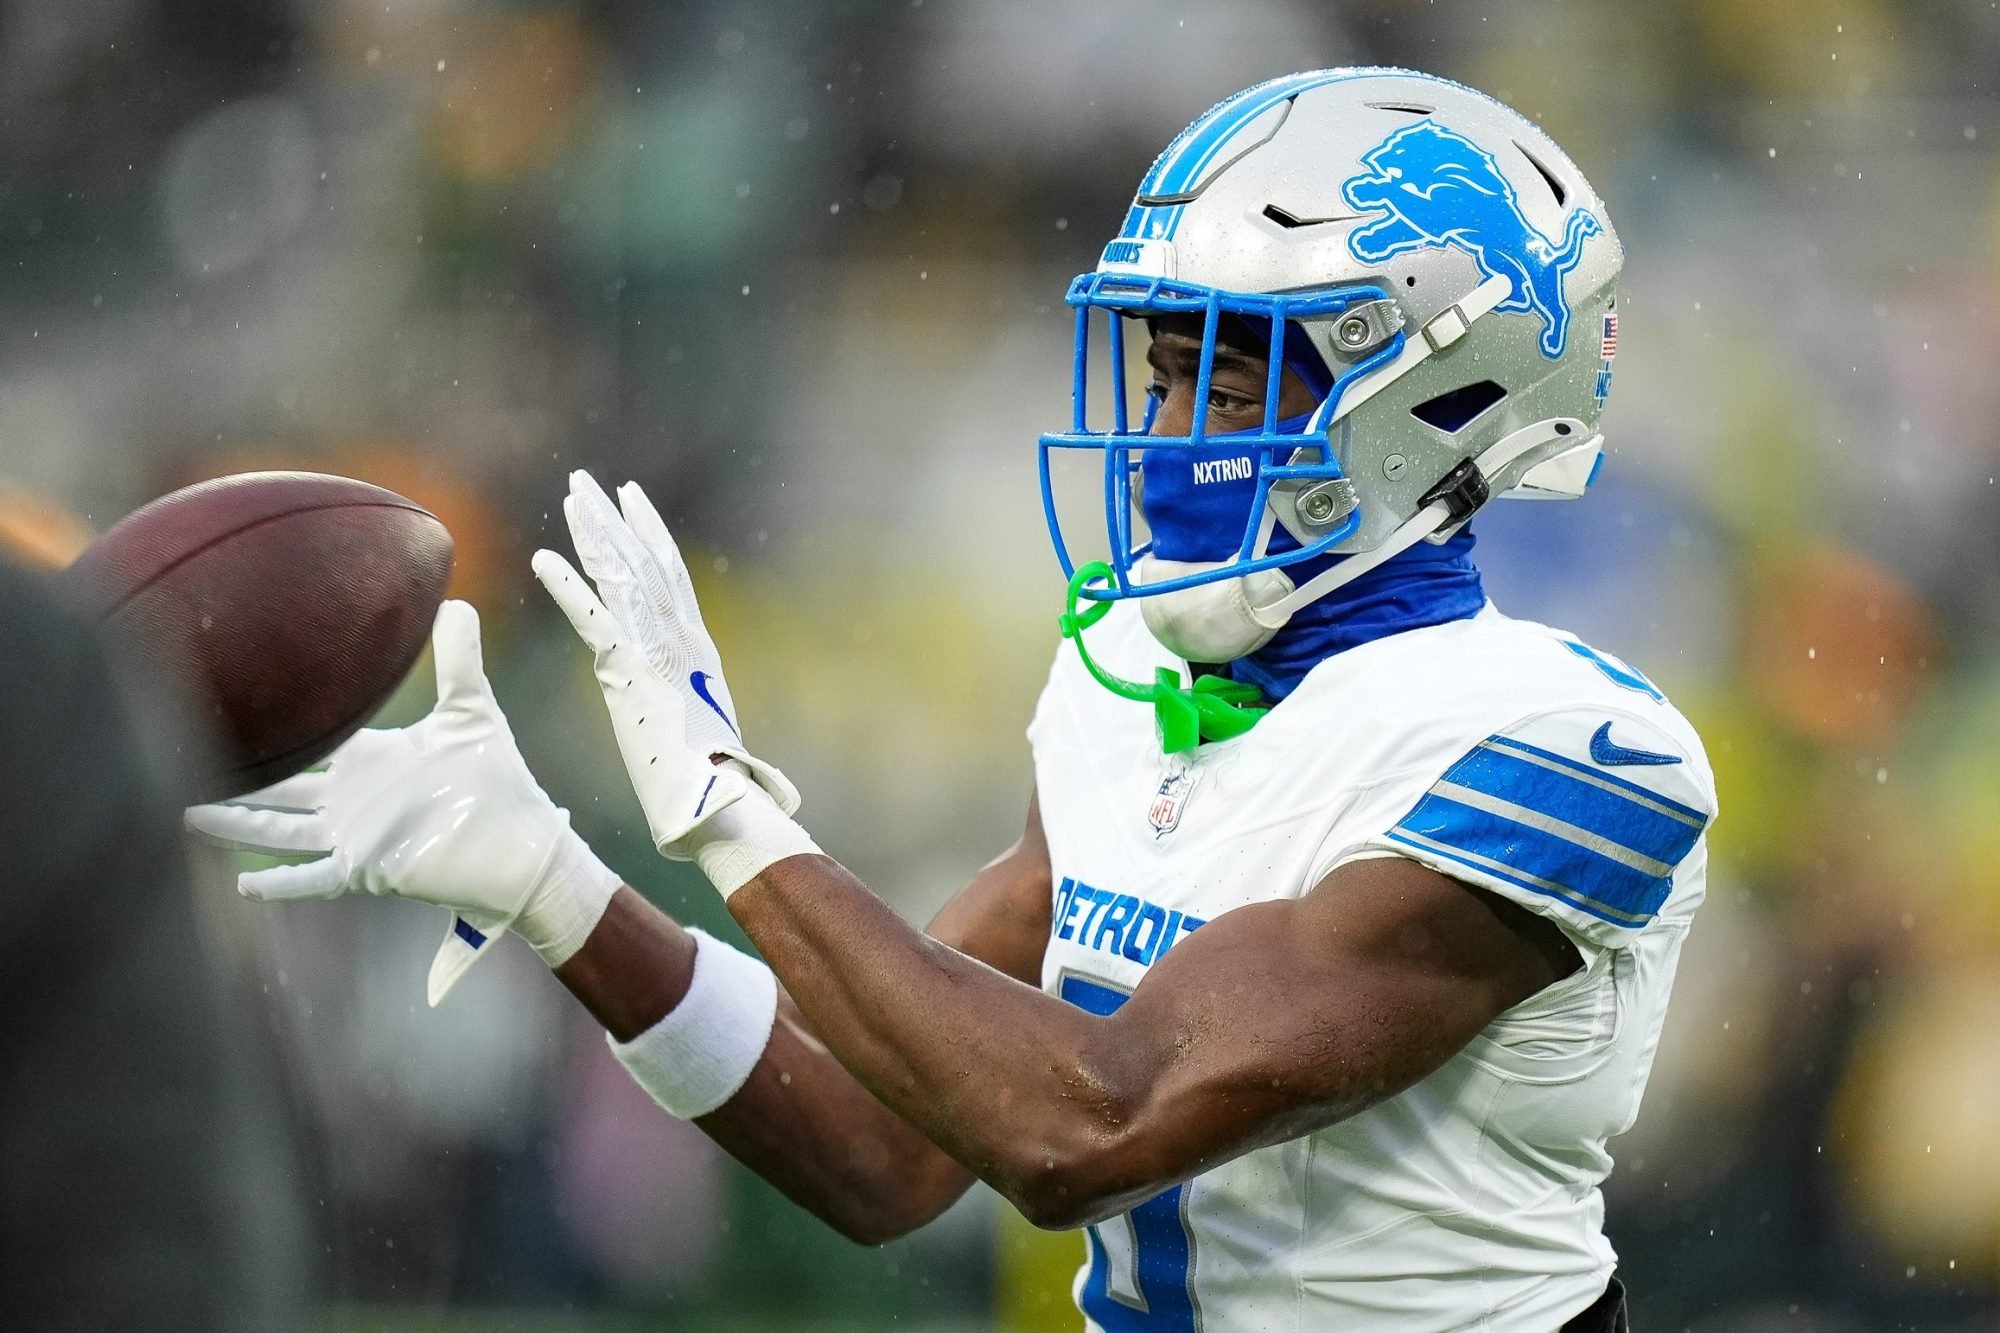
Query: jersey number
point(1141, 1264)
point(1617, 672)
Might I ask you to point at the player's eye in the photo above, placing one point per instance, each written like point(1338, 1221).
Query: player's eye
point(1157, 391)
point(1229, 404)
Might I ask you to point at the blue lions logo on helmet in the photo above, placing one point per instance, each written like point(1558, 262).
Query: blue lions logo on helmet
point(1438, 188)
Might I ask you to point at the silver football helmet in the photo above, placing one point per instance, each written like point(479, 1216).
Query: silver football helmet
point(1454, 277)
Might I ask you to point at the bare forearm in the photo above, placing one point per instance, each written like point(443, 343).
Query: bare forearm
point(1281, 1017)
point(634, 968)
point(992, 1071)
point(801, 1121)
point(806, 1126)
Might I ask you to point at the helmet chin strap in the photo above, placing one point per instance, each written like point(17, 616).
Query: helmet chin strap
point(1273, 615)
point(1220, 622)
point(1232, 618)
point(1461, 492)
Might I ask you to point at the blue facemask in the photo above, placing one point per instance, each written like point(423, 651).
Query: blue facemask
point(1202, 497)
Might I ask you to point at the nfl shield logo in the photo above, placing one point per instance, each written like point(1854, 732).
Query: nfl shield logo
point(1170, 797)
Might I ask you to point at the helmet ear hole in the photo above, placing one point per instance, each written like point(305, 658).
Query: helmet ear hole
point(1452, 412)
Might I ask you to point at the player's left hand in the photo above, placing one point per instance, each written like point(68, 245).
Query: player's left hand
point(444, 811)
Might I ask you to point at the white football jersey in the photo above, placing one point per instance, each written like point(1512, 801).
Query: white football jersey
point(1497, 751)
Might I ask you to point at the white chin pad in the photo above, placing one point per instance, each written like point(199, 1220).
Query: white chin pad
point(1212, 622)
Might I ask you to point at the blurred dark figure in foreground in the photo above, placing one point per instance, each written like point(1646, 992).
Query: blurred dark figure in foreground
point(136, 1180)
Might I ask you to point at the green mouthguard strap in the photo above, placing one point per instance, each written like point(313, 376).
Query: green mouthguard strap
point(1213, 709)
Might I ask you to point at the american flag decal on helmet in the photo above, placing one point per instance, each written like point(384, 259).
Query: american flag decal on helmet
point(1608, 350)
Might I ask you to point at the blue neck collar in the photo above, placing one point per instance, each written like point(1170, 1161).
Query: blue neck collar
point(1425, 585)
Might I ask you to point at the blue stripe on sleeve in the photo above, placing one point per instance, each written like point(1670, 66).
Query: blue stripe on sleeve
point(1655, 828)
point(1535, 859)
point(1541, 821)
point(1577, 766)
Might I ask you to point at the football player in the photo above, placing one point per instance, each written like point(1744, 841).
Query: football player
point(1339, 939)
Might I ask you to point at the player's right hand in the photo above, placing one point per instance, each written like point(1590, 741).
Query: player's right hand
point(642, 581)
point(656, 665)
point(444, 811)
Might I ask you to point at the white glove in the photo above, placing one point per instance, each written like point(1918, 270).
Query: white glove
point(444, 811)
point(643, 581)
point(662, 681)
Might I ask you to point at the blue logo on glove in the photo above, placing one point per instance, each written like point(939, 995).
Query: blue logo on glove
point(699, 681)
point(1438, 188)
point(702, 804)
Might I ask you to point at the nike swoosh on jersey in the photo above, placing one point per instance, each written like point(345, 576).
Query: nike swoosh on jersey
point(1612, 755)
point(699, 680)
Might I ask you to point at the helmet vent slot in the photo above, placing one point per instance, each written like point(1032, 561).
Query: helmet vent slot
point(1453, 412)
point(1284, 217)
point(1407, 108)
point(1555, 186)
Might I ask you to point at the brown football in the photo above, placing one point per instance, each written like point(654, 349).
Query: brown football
point(285, 606)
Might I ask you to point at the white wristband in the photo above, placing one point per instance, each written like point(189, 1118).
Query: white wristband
point(702, 1052)
point(737, 843)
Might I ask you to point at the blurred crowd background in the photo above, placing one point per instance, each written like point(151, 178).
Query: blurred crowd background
point(797, 266)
